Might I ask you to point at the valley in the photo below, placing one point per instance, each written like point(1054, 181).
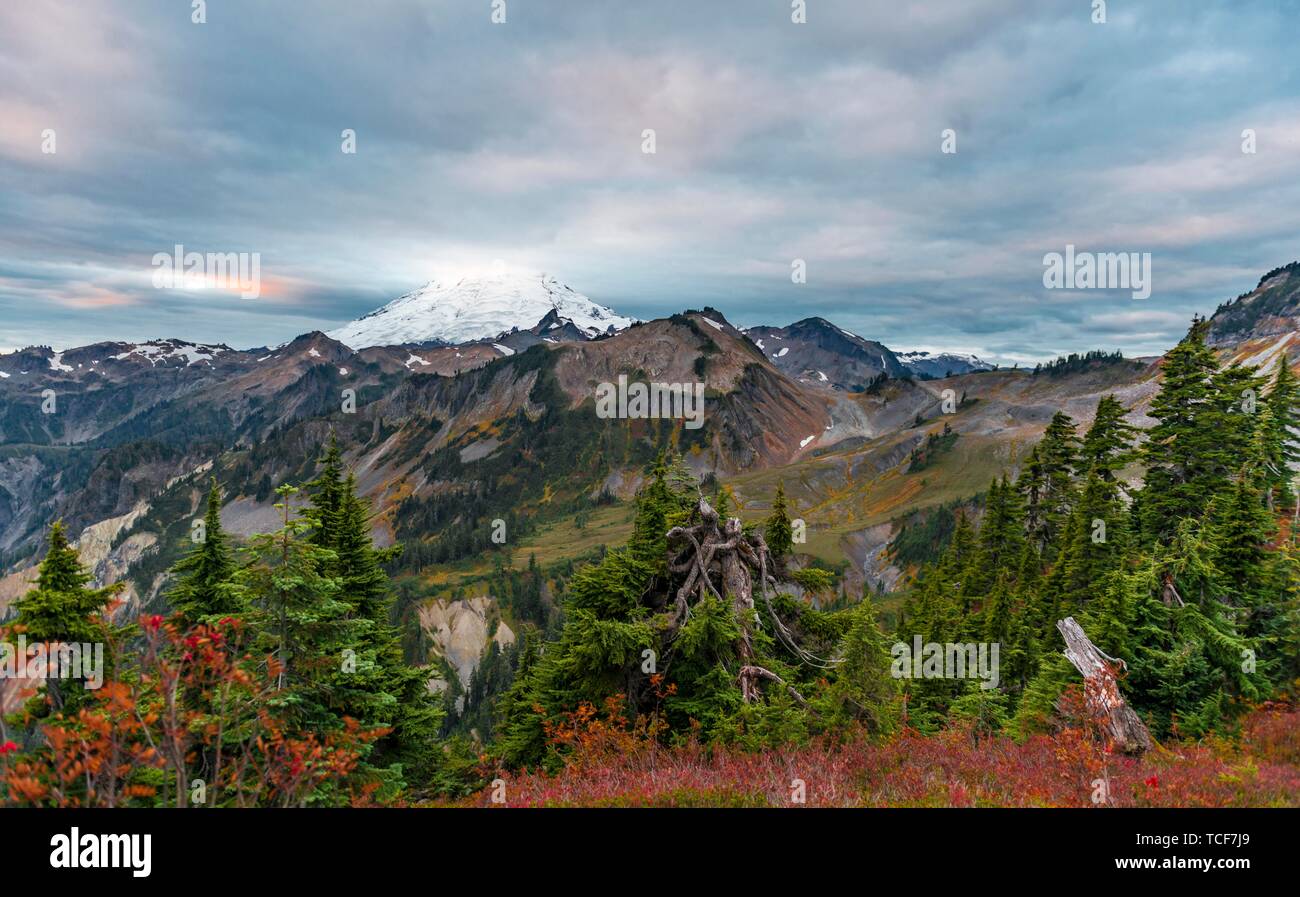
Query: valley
point(448, 436)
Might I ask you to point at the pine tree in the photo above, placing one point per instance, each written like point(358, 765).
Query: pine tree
point(376, 687)
point(1092, 545)
point(778, 530)
point(1108, 444)
point(1187, 663)
point(1001, 538)
point(1282, 436)
point(627, 640)
point(656, 504)
point(863, 691)
point(523, 735)
point(306, 624)
point(1252, 577)
point(1058, 459)
point(722, 502)
point(205, 587)
point(326, 493)
point(62, 609)
point(1031, 618)
point(1031, 484)
point(1243, 528)
point(1201, 436)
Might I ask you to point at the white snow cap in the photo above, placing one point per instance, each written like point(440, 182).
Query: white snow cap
point(477, 306)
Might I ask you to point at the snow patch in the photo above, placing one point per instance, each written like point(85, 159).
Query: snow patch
point(157, 351)
point(803, 442)
point(475, 307)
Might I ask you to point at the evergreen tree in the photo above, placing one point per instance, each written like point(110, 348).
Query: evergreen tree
point(722, 502)
point(1092, 545)
point(1031, 485)
point(1282, 435)
point(778, 530)
point(1243, 529)
point(623, 641)
point(1202, 434)
point(1057, 461)
point(374, 686)
point(62, 609)
point(306, 624)
point(1001, 539)
point(326, 493)
point(206, 587)
point(1108, 444)
point(863, 690)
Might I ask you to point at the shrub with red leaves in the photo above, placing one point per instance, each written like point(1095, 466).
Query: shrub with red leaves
point(198, 707)
point(948, 769)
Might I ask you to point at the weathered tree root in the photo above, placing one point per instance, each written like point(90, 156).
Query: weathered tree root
point(749, 677)
point(713, 548)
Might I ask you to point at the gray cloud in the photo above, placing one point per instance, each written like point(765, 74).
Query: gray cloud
point(522, 141)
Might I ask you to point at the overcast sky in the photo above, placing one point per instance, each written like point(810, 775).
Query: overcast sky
point(523, 142)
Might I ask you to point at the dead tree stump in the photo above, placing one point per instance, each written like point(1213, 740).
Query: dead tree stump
point(710, 551)
point(1120, 722)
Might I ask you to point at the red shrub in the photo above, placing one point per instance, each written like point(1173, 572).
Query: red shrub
point(1070, 769)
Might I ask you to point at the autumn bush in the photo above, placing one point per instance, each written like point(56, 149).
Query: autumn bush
point(197, 722)
point(958, 767)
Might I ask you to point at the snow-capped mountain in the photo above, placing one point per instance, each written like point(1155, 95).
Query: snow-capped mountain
point(938, 365)
point(476, 307)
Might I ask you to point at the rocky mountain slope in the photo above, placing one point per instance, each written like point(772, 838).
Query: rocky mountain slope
point(1263, 325)
point(816, 351)
point(933, 365)
point(446, 439)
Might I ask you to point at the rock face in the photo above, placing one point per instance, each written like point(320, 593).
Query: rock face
point(816, 351)
point(107, 563)
point(458, 631)
point(936, 366)
point(1270, 311)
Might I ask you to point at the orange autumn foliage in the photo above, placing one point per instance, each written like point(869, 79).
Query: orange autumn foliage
point(198, 708)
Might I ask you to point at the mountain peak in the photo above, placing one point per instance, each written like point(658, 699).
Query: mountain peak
point(478, 305)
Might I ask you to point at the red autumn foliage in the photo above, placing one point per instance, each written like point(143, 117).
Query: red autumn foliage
point(953, 768)
point(198, 707)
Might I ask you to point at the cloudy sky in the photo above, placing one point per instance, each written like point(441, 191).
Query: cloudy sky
point(523, 142)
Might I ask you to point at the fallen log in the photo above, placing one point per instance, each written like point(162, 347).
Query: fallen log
point(1123, 727)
